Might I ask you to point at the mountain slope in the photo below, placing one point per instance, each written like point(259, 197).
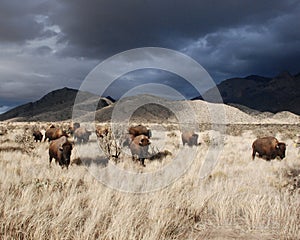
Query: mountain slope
point(281, 93)
point(56, 105)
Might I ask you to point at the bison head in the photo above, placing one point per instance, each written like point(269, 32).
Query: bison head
point(193, 140)
point(280, 149)
point(144, 142)
point(66, 150)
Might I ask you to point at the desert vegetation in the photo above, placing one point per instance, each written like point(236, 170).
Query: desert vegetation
point(240, 198)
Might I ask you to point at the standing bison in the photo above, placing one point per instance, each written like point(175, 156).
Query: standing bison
point(190, 138)
point(139, 146)
point(139, 130)
point(38, 136)
point(73, 127)
point(268, 148)
point(81, 135)
point(53, 133)
point(60, 149)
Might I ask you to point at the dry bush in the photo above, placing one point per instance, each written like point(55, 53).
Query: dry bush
point(239, 199)
point(111, 145)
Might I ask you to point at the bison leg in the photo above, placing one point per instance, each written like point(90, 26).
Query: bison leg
point(142, 161)
point(253, 154)
point(50, 160)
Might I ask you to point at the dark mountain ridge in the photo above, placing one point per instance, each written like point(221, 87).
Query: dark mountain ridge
point(250, 94)
point(280, 93)
point(57, 104)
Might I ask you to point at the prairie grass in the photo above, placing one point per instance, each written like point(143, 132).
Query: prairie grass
point(239, 199)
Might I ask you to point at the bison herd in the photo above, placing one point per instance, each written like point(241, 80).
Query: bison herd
point(138, 140)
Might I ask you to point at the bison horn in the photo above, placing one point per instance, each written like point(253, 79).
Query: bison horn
point(277, 146)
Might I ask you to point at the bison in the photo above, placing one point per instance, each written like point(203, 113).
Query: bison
point(139, 146)
point(73, 127)
point(102, 131)
point(38, 136)
point(190, 138)
point(82, 135)
point(139, 130)
point(53, 133)
point(60, 149)
point(268, 148)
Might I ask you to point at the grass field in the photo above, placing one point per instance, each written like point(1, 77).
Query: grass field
point(239, 199)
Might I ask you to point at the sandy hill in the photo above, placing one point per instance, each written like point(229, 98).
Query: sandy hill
point(58, 106)
point(155, 109)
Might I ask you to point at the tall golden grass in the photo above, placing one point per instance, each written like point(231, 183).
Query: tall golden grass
point(239, 199)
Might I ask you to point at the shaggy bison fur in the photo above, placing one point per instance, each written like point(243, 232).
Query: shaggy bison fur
point(53, 133)
point(268, 148)
point(73, 127)
point(38, 136)
point(82, 135)
point(190, 138)
point(139, 130)
point(139, 146)
point(60, 149)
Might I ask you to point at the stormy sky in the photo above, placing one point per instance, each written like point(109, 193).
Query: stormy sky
point(50, 44)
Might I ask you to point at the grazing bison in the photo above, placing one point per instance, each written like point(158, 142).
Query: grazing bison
point(60, 149)
point(139, 146)
point(101, 131)
point(73, 127)
point(268, 148)
point(190, 138)
point(38, 136)
point(139, 130)
point(53, 133)
point(81, 135)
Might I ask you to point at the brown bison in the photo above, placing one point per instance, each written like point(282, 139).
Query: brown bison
point(73, 127)
point(139, 130)
point(268, 148)
point(101, 131)
point(53, 133)
point(139, 146)
point(60, 149)
point(190, 138)
point(38, 136)
point(81, 135)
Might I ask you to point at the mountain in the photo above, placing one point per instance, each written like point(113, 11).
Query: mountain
point(252, 95)
point(56, 105)
point(280, 93)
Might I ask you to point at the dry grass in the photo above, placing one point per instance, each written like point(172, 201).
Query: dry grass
point(239, 199)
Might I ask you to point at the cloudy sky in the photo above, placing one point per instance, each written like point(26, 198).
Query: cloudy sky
point(50, 44)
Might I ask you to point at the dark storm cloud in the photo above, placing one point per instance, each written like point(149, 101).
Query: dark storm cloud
point(48, 44)
point(19, 20)
point(93, 28)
